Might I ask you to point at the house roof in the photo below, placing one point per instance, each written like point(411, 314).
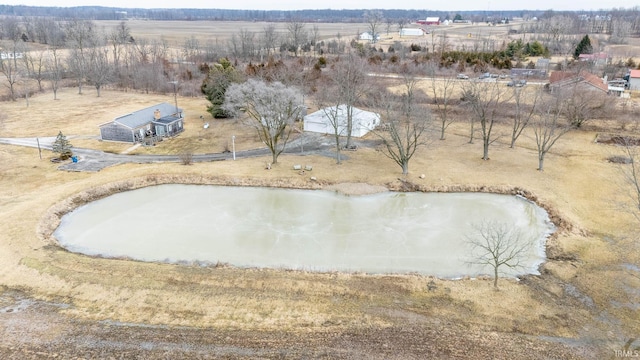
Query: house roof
point(432, 19)
point(562, 78)
point(323, 115)
point(142, 117)
point(634, 74)
point(595, 81)
point(557, 76)
point(167, 119)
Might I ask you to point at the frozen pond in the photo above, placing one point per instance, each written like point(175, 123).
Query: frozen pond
point(299, 229)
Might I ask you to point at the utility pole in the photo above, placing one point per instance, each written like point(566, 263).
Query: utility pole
point(175, 93)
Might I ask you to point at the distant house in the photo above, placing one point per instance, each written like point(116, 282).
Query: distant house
point(156, 122)
point(322, 121)
point(430, 20)
point(368, 36)
point(634, 80)
point(412, 32)
point(543, 64)
point(600, 58)
point(564, 79)
point(528, 73)
point(9, 55)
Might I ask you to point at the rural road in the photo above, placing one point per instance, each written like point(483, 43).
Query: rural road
point(95, 160)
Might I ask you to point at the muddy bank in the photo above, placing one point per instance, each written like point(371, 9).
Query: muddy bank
point(356, 188)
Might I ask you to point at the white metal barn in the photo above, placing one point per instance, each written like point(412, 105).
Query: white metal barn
point(368, 36)
point(322, 121)
point(411, 32)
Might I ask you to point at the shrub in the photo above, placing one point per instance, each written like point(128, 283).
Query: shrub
point(619, 159)
point(186, 157)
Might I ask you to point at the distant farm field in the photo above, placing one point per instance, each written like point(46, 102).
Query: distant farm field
point(221, 31)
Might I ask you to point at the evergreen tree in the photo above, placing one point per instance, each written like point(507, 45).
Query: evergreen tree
point(215, 85)
point(62, 146)
point(584, 47)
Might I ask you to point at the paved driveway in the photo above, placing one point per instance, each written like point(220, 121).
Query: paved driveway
point(95, 160)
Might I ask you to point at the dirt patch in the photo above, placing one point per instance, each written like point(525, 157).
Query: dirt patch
point(623, 140)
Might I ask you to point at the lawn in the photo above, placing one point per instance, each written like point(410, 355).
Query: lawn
point(584, 279)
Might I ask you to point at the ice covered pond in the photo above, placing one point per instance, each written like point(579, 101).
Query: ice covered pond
point(300, 229)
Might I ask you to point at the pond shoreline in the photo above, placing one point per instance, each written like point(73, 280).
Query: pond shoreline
point(51, 220)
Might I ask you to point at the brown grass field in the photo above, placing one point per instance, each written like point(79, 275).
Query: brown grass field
point(583, 305)
point(218, 32)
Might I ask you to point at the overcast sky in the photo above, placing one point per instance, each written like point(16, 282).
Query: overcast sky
point(341, 4)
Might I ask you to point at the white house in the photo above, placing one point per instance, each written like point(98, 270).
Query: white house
point(322, 121)
point(10, 55)
point(411, 32)
point(368, 36)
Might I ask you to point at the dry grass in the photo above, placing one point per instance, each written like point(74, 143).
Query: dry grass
point(578, 184)
point(219, 32)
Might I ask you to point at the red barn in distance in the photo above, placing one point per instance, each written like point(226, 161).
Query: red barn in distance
point(429, 21)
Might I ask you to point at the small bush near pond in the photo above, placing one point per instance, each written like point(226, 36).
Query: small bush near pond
point(619, 159)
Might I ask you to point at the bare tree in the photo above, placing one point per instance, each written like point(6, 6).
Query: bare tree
point(497, 245)
point(443, 43)
point(582, 104)
point(548, 127)
point(119, 38)
point(335, 114)
point(34, 62)
point(269, 38)
point(442, 90)
point(484, 98)
point(9, 57)
point(10, 70)
point(631, 173)
point(349, 76)
point(54, 62)
point(191, 49)
point(406, 121)
point(523, 111)
point(247, 43)
point(55, 70)
point(314, 36)
point(374, 20)
point(297, 35)
point(620, 31)
point(272, 109)
point(39, 28)
point(81, 35)
point(99, 68)
point(388, 24)
point(402, 23)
